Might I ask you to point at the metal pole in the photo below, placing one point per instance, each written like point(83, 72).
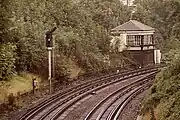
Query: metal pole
point(49, 59)
point(128, 3)
point(53, 68)
point(53, 61)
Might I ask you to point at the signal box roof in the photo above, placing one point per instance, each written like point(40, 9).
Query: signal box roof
point(133, 25)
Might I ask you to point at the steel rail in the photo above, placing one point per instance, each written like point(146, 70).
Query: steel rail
point(115, 113)
point(129, 88)
point(32, 112)
point(59, 112)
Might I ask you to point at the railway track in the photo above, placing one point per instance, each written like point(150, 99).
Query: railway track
point(52, 108)
point(111, 106)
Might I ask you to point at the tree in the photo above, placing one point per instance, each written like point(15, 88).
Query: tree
point(7, 46)
point(165, 19)
point(81, 36)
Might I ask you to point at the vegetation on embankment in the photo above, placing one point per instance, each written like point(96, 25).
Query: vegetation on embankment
point(81, 41)
point(163, 99)
point(17, 85)
point(82, 38)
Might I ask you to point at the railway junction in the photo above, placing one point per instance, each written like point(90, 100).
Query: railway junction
point(109, 96)
point(90, 60)
point(105, 97)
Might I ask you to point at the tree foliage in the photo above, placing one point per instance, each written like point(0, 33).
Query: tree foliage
point(81, 38)
point(7, 60)
point(7, 48)
point(164, 15)
point(164, 95)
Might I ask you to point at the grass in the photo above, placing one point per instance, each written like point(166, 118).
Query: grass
point(147, 116)
point(21, 83)
point(75, 70)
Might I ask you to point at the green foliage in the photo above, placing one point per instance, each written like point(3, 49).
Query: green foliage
point(80, 40)
point(165, 19)
point(7, 47)
point(108, 13)
point(165, 92)
point(5, 22)
point(7, 60)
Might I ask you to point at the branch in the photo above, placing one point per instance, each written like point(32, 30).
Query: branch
point(56, 19)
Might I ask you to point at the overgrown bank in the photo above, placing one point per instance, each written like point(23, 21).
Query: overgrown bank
point(17, 84)
point(82, 42)
point(163, 102)
point(82, 39)
point(16, 105)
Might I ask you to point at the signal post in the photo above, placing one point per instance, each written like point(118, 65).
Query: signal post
point(49, 45)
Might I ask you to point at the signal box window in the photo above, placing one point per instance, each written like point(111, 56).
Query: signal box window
point(134, 40)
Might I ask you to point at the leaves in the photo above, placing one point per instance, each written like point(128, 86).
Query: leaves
point(165, 19)
point(7, 60)
point(81, 36)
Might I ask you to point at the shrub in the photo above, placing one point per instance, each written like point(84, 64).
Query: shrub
point(7, 60)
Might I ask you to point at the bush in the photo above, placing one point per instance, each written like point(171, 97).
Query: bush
point(11, 99)
point(7, 60)
point(165, 92)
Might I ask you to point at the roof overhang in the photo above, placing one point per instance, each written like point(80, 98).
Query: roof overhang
point(133, 26)
point(134, 32)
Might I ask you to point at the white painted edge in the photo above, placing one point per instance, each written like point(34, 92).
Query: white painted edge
point(139, 117)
